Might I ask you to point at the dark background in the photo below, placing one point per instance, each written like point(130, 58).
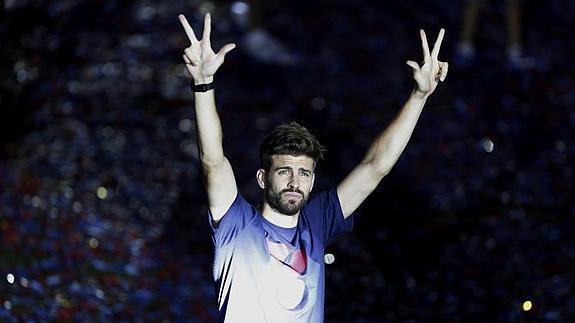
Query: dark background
point(102, 209)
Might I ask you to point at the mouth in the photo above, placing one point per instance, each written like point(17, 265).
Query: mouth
point(293, 195)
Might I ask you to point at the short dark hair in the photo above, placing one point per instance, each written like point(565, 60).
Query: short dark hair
point(290, 139)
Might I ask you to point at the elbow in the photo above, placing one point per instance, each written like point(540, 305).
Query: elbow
point(381, 172)
point(379, 169)
point(210, 164)
point(382, 168)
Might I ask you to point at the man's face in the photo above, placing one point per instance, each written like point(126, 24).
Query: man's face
point(288, 183)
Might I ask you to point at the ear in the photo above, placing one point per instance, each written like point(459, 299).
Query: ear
point(312, 181)
point(261, 178)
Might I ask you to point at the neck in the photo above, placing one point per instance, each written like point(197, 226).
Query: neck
point(279, 219)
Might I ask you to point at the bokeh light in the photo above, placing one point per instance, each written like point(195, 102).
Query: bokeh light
point(93, 243)
point(487, 145)
point(240, 8)
point(102, 193)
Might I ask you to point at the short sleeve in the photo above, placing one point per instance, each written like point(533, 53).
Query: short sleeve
point(325, 215)
point(237, 217)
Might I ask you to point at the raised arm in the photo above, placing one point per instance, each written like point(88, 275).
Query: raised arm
point(202, 63)
point(389, 145)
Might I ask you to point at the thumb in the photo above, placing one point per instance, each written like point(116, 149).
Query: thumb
point(413, 65)
point(226, 49)
point(444, 68)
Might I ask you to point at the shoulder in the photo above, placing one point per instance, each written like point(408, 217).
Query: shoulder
point(322, 199)
point(239, 211)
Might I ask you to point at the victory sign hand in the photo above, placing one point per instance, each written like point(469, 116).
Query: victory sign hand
point(201, 60)
point(432, 71)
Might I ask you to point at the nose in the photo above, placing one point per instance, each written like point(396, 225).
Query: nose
point(294, 182)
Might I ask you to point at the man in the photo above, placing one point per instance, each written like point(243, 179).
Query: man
point(268, 264)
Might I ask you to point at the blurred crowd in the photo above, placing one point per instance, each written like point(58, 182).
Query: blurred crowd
point(102, 210)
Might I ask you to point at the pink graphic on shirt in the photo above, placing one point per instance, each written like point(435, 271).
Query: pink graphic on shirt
point(288, 255)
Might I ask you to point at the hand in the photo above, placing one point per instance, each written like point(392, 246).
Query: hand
point(201, 61)
point(432, 71)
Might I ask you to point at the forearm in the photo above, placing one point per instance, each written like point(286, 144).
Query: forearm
point(202, 63)
point(209, 129)
point(389, 145)
point(219, 177)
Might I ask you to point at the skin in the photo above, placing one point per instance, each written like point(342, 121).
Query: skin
point(286, 187)
point(202, 63)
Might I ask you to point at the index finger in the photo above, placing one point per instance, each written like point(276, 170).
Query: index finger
point(424, 45)
point(188, 29)
point(437, 45)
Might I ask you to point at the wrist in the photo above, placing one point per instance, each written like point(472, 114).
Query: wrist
point(416, 94)
point(203, 80)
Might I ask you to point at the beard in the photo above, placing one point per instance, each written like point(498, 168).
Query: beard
point(285, 206)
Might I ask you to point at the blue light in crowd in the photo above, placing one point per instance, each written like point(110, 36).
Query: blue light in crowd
point(240, 8)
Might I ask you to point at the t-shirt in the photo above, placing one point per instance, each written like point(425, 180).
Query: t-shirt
point(265, 273)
